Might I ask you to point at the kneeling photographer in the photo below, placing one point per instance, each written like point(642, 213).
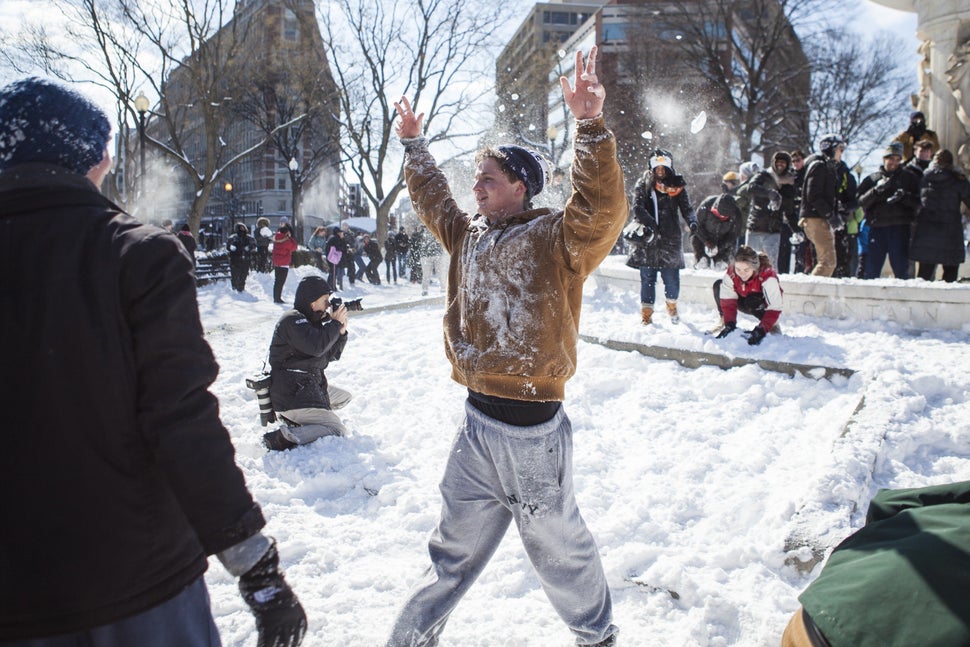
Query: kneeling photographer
point(305, 341)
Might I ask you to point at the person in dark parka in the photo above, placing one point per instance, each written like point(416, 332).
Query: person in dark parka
point(660, 196)
point(241, 248)
point(938, 231)
point(819, 206)
point(305, 341)
point(118, 477)
point(718, 221)
point(889, 198)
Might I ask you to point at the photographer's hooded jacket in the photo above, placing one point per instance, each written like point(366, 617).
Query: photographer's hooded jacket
point(118, 476)
point(304, 343)
point(515, 288)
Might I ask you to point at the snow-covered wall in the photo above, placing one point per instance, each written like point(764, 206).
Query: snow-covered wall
point(913, 304)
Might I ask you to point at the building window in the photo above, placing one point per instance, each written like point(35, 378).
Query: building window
point(281, 183)
point(558, 18)
point(282, 206)
point(291, 26)
point(615, 32)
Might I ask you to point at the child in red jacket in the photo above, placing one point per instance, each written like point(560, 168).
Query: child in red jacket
point(750, 286)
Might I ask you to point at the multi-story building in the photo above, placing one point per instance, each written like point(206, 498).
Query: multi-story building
point(522, 69)
point(659, 98)
point(270, 48)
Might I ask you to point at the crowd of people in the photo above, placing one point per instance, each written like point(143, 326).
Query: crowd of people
point(804, 214)
point(338, 252)
point(812, 209)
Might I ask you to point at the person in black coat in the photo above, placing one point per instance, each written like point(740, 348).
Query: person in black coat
point(889, 198)
point(820, 202)
point(374, 257)
point(305, 341)
point(784, 176)
point(241, 248)
point(390, 257)
point(718, 218)
point(188, 241)
point(403, 245)
point(659, 198)
point(119, 478)
point(938, 233)
point(801, 249)
point(264, 236)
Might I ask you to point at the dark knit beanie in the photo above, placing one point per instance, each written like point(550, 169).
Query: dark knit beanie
point(41, 121)
point(916, 114)
point(528, 166)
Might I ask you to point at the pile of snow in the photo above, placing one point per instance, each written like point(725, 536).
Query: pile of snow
point(692, 481)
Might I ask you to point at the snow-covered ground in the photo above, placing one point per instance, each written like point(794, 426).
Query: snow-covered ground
point(692, 481)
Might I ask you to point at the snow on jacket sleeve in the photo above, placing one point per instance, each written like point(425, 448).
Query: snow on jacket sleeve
point(432, 197)
point(597, 211)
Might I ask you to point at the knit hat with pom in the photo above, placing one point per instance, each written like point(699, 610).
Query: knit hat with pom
point(45, 122)
point(528, 166)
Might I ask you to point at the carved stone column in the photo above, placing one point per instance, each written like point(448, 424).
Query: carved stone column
point(943, 34)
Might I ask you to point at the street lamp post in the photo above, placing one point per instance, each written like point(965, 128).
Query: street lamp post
point(231, 203)
point(551, 133)
point(141, 107)
point(294, 167)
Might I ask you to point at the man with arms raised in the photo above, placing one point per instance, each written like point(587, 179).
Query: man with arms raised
point(515, 284)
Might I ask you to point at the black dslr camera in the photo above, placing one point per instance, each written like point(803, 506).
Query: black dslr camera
point(352, 306)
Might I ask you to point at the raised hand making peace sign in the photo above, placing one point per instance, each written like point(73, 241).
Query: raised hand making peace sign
point(586, 100)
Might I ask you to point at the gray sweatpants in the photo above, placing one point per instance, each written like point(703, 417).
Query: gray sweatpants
point(316, 422)
point(496, 473)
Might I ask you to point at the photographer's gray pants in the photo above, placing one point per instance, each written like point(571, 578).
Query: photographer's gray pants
point(316, 422)
point(496, 473)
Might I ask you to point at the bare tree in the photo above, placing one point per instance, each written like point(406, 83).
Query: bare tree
point(93, 49)
point(749, 53)
point(856, 85)
point(185, 53)
point(434, 51)
point(294, 85)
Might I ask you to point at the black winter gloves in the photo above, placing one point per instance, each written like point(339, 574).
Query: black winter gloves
point(756, 335)
point(280, 619)
point(693, 227)
point(726, 330)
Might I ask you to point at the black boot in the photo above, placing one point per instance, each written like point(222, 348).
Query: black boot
point(276, 441)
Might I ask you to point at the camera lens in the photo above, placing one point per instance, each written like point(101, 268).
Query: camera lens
point(335, 302)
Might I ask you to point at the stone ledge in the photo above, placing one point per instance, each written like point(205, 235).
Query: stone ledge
point(912, 304)
point(696, 359)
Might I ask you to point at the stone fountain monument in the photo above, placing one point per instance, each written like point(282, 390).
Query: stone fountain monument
point(943, 29)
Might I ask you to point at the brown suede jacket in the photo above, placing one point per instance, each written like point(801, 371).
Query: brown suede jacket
point(515, 289)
